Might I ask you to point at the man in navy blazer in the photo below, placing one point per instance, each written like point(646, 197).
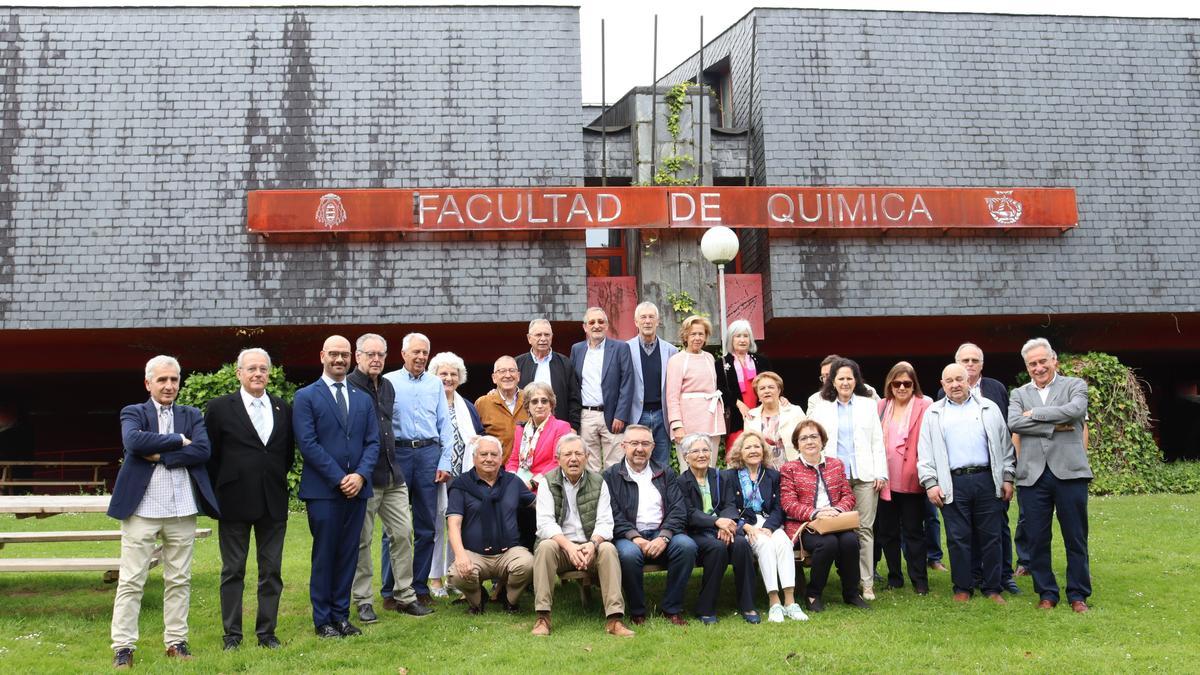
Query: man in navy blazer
point(649, 353)
point(338, 437)
point(605, 374)
point(161, 486)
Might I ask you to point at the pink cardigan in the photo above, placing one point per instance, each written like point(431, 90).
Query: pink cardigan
point(543, 455)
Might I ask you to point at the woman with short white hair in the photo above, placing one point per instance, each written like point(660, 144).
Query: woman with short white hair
point(735, 377)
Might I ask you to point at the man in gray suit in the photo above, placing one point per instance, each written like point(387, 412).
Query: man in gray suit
point(649, 355)
point(1049, 415)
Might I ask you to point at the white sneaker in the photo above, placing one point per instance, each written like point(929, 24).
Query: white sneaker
point(868, 593)
point(794, 612)
point(775, 614)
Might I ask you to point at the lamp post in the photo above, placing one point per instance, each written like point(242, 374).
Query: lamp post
point(719, 246)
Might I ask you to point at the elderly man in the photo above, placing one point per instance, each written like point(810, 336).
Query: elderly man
point(540, 364)
point(162, 484)
point(605, 373)
point(424, 445)
point(649, 520)
point(390, 498)
point(338, 436)
point(481, 523)
point(253, 449)
point(503, 408)
point(966, 465)
point(1049, 414)
point(648, 354)
point(575, 528)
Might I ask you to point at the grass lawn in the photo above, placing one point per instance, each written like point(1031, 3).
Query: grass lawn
point(1144, 563)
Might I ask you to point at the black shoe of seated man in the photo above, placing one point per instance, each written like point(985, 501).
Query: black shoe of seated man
point(231, 642)
point(413, 609)
point(511, 607)
point(328, 630)
point(269, 642)
point(347, 629)
point(857, 601)
point(814, 604)
point(123, 659)
point(366, 613)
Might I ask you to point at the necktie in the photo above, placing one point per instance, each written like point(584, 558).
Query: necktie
point(257, 418)
point(340, 398)
point(166, 420)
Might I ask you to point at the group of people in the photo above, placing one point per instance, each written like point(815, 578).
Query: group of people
point(565, 466)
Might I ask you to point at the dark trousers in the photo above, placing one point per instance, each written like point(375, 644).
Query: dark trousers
point(903, 517)
point(1021, 541)
point(679, 557)
point(975, 513)
point(385, 567)
point(1006, 552)
point(662, 440)
point(234, 539)
point(335, 525)
point(933, 533)
point(715, 555)
point(1069, 499)
point(826, 549)
point(420, 470)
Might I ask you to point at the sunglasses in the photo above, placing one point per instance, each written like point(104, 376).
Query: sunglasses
point(902, 384)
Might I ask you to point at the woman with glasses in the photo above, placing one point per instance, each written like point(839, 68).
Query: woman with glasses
point(735, 376)
point(851, 419)
point(693, 401)
point(774, 419)
point(533, 449)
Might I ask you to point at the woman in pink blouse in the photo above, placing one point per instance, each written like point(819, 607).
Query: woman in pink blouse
point(693, 400)
point(901, 509)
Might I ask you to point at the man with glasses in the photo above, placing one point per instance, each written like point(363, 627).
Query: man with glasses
point(390, 500)
point(606, 384)
point(503, 408)
point(542, 364)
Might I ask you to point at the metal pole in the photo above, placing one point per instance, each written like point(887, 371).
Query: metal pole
point(703, 105)
point(750, 100)
point(603, 115)
point(654, 107)
point(721, 293)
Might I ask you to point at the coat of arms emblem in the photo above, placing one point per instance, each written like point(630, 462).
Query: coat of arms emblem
point(1004, 209)
point(330, 212)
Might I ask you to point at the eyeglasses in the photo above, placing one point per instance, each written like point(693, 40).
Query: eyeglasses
point(809, 437)
point(506, 371)
point(374, 355)
point(901, 384)
point(338, 355)
point(597, 322)
point(640, 444)
point(539, 401)
point(699, 451)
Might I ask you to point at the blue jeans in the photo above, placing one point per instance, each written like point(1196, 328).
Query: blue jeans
point(385, 568)
point(662, 440)
point(933, 533)
point(420, 470)
point(679, 558)
point(974, 515)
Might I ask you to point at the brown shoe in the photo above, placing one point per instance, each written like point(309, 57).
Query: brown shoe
point(676, 619)
point(1079, 606)
point(615, 627)
point(962, 597)
point(179, 651)
point(1021, 571)
point(541, 627)
point(425, 599)
point(998, 599)
point(1047, 604)
point(937, 566)
point(390, 604)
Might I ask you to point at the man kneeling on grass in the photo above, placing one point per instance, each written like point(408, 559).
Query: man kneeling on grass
point(481, 523)
point(574, 529)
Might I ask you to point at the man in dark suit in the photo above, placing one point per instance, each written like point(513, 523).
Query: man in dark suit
point(543, 365)
point(161, 486)
point(338, 435)
point(252, 450)
point(606, 383)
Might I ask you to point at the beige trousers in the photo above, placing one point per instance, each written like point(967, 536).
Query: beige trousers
point(392, 505)
point(602, 446)
point(138, 537)
point(514, 568)
point(550, 559)
point(866, 499)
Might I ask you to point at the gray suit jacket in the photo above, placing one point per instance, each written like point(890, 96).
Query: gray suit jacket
point(1042, 446)
point(665, 351)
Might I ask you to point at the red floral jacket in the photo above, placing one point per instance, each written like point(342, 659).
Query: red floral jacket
point(798, 491)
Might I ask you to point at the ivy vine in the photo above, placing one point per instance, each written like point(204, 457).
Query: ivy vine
point(669, 167)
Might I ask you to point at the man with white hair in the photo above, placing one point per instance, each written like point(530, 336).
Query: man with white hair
point(648, 354)
point(605, 375)
point(162, 485)
point(1049, 414)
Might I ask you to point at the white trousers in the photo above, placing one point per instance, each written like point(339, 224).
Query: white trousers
point(776, 562)
point(138, 540)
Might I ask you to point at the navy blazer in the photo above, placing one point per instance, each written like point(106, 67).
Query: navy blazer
point(562, 380)
point(768, 487)
point(993, 390)
point(699, 522)
point(330, 449)
point(616, 379)
point(140, 437)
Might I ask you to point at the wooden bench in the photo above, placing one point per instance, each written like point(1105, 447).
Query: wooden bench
point(7, 481)
point(110, 566)
point(586, 580)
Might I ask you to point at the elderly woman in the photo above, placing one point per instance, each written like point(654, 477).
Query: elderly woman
point(712, 524)
point(847, 412)
point(736, 373)
point(693, 401)
point(451, 370)
point(811, 488)
point(902, 505)
point(773, 419)
point(755, 488)
point(534, 440)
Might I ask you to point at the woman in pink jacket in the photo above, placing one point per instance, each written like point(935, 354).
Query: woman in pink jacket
point(693, 400)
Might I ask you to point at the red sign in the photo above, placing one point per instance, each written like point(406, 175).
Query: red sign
point(805, 208)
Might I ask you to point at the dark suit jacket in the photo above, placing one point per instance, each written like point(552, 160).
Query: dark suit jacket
point(727, 383)
point(768, 487)
point(139, 435)
point(250, 478)
point(616, 379)
point(562, 380)
point(330, 449)
point(388, 470)
point(993, 390)
point(699, 522)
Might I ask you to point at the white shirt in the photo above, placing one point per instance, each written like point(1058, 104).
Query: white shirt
point(329, 382)
point(650, 501)
point(542, 374)
point(593, 368)
point(572, 526)
point(248, 400)
point(169, 492)
point(1044, 392)
point(822, 501)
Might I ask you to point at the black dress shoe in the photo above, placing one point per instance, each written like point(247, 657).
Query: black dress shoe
point(269, 642)
point(425, 599)
point(511, 607)
point(814, 604)
point(921, 590)
point(123, 659)
point(366, 614)
point(1011, 587)
point(327, 630)
point(413, 609)
point(347, 629)
point(857, 601)
point(231, 642)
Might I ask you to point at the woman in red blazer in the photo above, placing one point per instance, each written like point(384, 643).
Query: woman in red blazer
point(814, 487)
point(901, 510)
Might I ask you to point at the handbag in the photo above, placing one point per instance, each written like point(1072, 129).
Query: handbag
point(842, 522)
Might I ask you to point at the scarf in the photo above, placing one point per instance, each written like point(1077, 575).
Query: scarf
point(529, 439)
point(464, 431)
point(900, 442)
point(751, 497)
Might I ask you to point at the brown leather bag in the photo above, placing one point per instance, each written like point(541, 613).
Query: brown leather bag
point(842, 522)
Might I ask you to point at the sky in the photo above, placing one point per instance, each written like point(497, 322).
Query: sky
point(629, 24)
